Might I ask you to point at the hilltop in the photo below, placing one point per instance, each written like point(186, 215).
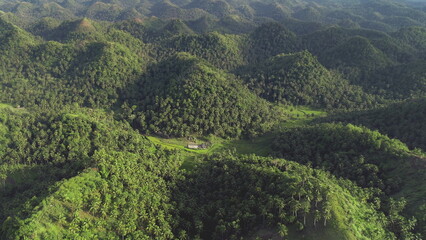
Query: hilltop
point(185, 95)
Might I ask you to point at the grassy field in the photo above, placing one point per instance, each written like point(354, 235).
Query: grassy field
point(13, 109)
point(296, 116)
point(299, 116)
point(2, 106)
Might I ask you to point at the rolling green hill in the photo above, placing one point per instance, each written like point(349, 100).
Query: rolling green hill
point(223, 51)
point(72, 161)
point(84, 183)
point(413, 36)
point(299, 79)
point(89, 68)
point(269, 40)
point(185, 95)
point(363, 156)
point(232, 196)
point(13, 39)
point(357, 54)
point(377, 15)
point(403, 121)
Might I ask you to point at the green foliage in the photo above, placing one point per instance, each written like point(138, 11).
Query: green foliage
point(401, 81)
point(53, 74)
point(44, 195)
point(223, 51)
point(299, 79)
point(185, 95)
point(229, 197)
point(353, 152)
point(363, 156)
point(404, 121)
point(63, 137)
point(378, 15)
point(326, 42)
point(168, 10)
point(120, 198)
point(217, 8)
point(356, 52)
point(13, 40)
point(269, 40)
point(136, 191)
point(414, 36)
point(74, 30)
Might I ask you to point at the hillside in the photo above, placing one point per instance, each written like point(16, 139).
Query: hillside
point(363, 156)
point(269, 40)
point(400, 82)
point(88, 68)
point(413, 36)
point(84, 180)
point(377, 15)
point(223, 51)
point(62, 74)
point(299, 79)
point(79, 29)
point(357, 55)
point(69, 160)
point(185, 95)
point(400, 120)
point(254, 193)
point(13, 38)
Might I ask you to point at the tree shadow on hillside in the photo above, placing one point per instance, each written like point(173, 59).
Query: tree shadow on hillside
point(22, 189)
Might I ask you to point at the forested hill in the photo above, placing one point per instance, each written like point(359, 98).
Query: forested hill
point(400, 120)
point(382, 15)
point(213, 119)
point(185, 95)
point(81, 170)
point(299, 79)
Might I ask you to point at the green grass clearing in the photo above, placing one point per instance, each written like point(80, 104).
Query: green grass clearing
point(13, 109)
point(299, 116)
point(261, 145)
point(3, 105)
